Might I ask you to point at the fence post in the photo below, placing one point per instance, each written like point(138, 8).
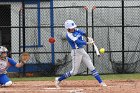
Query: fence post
point(123, 36)
point(52, 28)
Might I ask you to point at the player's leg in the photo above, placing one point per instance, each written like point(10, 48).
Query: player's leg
point(87, 61)
point(74, 71)
point(4, 80)
point(76, 60)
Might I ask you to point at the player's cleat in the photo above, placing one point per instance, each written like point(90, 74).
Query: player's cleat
point(57, 82)
point(103, 84)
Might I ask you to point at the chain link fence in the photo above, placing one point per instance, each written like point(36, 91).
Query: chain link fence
point(114, 25)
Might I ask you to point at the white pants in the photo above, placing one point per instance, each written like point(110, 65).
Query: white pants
point(78, 56)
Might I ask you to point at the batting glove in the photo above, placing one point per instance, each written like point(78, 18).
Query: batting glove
point(91, 42)
point(90, 39)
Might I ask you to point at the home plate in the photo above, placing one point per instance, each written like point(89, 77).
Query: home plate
point(66, 89)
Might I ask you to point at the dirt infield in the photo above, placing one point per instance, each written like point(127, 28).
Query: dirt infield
point(71, 86)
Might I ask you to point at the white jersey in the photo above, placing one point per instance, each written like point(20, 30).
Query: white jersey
point(3, 66)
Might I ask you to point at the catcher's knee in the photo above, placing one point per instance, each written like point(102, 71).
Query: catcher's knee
point(9, 83)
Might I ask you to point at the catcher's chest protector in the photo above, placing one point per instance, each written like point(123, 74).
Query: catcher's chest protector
point(3, 66)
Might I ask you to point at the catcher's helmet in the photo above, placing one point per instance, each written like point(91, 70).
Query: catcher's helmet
point(69, 24)
point(3, 49)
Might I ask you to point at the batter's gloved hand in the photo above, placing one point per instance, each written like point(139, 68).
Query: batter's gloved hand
point(90, 42)
point(90, 39)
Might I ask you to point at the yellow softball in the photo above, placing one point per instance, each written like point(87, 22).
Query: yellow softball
point(102, 50)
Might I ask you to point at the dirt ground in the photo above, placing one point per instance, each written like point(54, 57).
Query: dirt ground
point(71, 86)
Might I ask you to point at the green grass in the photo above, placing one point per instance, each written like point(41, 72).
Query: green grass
point(89, 77)
point(121, 76)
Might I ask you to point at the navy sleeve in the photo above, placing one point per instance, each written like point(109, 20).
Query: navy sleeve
point(11, 61)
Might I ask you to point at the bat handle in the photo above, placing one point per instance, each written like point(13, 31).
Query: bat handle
point(96, 49)
point(99, 55)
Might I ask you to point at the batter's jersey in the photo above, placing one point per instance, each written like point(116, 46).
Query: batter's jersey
point(75, 39)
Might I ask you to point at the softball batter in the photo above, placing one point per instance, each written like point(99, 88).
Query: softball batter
point(75, 39)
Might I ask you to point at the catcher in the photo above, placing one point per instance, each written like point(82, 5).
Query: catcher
point(5, 63)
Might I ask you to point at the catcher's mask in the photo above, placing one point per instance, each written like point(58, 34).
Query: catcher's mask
point(3, 50)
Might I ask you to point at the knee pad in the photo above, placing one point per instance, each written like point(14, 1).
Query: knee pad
point(9, 83)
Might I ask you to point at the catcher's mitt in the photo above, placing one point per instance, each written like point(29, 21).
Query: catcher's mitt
point(24, 57)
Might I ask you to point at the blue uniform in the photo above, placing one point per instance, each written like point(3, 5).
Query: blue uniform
point(75, 39)
point(3, 67)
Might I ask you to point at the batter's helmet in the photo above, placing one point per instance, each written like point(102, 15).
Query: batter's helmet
point(69, 24)
point(3, 49)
